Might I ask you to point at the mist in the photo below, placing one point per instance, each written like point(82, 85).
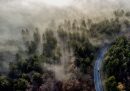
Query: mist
point(16, 15)
point(34, 17)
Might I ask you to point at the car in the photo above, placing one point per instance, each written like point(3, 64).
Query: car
point(98, 69)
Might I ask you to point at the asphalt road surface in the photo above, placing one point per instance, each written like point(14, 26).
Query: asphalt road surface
point(97, 66)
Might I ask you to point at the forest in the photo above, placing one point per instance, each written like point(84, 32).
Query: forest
point(62, 58)
point(116, 65)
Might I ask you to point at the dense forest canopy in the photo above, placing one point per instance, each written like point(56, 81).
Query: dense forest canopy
point(52, 45)
point(67, 50)
point(116, 65)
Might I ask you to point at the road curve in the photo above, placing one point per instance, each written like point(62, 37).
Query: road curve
point(97, 66)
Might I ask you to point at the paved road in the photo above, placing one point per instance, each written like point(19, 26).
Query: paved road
point(98, 62)
point(97, 66)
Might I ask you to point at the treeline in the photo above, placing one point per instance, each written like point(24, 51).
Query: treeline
point(28, 72)
point(117, 66)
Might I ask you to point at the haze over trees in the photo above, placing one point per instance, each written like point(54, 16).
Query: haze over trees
point(61, 58)
point(29, 71)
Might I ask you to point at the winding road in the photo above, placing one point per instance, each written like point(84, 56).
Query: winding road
point(97, 66)
point(98, 63)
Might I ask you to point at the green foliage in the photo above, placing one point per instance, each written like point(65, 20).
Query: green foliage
point(37, 78)
point(111, 84)
point(26, 77)
point(107, 27)
point(83, 25)
point(50, 43)
point(14, 73)
point(34, 64)
point(117, 60)
point(119, 13)
point(117, 56)
point(20, 84)
point(128, 14)
point(28, 69)
point(5, 83)
point(51, 51)
point(83, 50)
point(31, 45)
point(26, 66)
point(63, 35)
